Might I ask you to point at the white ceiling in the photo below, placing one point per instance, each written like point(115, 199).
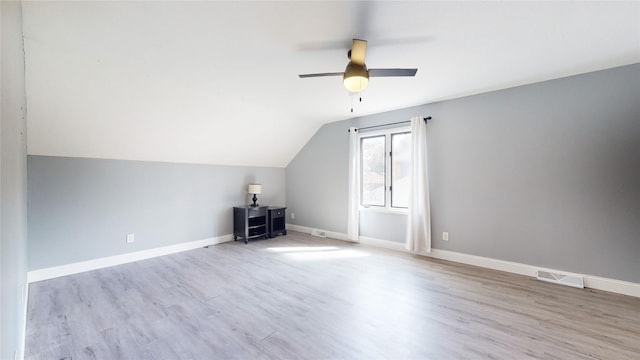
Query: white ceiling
point(216, 82)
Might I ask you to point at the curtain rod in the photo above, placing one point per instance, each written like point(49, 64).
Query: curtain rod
point(389, 124)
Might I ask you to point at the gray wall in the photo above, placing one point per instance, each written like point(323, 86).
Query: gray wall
point(545, 174)
point(386, 226)
point(317, 179)
point(13, 183)
point(81, 209)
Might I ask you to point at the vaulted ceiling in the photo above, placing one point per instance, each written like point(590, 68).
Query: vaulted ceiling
point(217, 82)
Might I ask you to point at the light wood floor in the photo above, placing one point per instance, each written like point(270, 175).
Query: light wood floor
point(300, 297)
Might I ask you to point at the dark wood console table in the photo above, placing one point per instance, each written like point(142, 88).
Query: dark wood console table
point(258, 222)
point(250, 222)
point(276, 218)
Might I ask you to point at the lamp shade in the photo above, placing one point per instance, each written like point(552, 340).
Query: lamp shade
point(255, 189)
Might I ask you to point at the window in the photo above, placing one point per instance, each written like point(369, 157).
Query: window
point(373, 177)
point(385, 168)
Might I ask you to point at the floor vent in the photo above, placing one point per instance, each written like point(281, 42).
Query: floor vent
point(562, 279)
point(318, 233)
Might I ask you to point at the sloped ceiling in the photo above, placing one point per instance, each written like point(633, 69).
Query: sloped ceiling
point(216, 82)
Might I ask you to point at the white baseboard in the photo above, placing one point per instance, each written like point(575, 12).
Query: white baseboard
point(612, 285)
point(23, 339)
point(330, 234)
point(590, 281)
point(75, 268)
point(489, 263)
point(391, 245)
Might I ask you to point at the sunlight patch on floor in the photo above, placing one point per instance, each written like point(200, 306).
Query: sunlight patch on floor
point(286, 249)
point(307, 253)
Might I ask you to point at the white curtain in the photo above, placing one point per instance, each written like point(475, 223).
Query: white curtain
point(419, 215)
point(353, 225)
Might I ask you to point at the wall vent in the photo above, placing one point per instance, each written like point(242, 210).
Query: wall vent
point(562, 279)
point(318, 233)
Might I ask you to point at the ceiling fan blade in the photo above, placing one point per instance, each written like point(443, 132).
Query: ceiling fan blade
point(321, 74)
point(358, 51)
point(392, 72)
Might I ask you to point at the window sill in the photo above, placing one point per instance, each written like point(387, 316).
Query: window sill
point(384, 210)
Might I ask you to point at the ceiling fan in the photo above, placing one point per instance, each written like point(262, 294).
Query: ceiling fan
point(356, 75)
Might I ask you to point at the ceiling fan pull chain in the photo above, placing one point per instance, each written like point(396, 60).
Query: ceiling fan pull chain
point(351, 102)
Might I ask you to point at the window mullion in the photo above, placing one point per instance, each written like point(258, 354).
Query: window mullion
point(387, 170)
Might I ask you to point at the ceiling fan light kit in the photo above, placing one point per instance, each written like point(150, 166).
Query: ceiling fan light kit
point(356, 77)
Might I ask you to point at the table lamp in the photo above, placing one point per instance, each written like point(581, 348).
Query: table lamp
point(255, 189)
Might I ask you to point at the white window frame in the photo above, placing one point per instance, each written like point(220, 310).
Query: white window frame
point(387, 171)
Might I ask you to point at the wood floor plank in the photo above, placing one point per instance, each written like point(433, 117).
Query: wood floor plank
point(301, 297)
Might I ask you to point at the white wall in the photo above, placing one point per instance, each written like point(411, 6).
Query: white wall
point(13, 186)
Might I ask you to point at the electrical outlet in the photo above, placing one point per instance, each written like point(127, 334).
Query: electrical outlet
point(293, 215)
point(130, 238)
point(445, 236)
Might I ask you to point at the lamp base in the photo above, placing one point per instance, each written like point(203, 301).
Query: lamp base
point(254, 201)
